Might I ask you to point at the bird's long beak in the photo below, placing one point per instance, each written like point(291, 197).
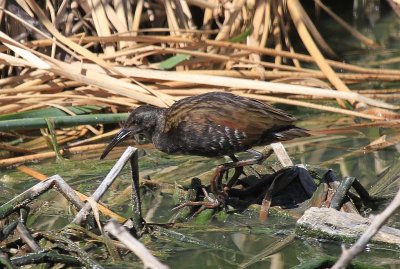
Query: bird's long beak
point(121, 136)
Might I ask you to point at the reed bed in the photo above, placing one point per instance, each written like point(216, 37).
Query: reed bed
point(87, 59)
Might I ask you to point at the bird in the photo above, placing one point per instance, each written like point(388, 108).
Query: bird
point(213, 124)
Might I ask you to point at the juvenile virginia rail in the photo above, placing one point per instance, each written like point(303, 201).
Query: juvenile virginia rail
point(212, 124)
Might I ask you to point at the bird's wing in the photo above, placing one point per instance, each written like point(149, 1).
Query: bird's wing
point(237, 118)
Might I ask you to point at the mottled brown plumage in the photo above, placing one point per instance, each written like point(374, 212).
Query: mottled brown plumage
point(211, 124)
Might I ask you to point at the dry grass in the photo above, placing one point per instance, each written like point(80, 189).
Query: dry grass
point(115, 54)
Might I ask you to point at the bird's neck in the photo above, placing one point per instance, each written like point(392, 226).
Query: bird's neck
point(159, 122)
point(159, 133)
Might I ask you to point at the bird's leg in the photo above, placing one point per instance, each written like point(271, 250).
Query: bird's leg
point(238, 171)
point(238, 165)
point(232, 181)
point(257, 159)
point(211, 203)
point(215, 184)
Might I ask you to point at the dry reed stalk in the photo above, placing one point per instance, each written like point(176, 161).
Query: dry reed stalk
point(241, 84)
point(383, 96)
point(52, 86)
point(367, 41)
point(233, 57)
point(48, 155)
point(311, 105)
point(111, 21)
point(207, 42)
point(136, 18)
point(106, 82)
point(296, 11)
point(392, 60)
point(39, 176)
point(28, 98)
point(315, 34)
point(95, 138)
point(80, 49)
point(232, 12)
point(15, 149)
point(270, 75)
point(276, 32)
point(378, 145)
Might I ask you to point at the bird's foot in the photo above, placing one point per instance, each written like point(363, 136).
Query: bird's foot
point(208, 203)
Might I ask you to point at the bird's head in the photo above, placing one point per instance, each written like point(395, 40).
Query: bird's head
point(142, 120)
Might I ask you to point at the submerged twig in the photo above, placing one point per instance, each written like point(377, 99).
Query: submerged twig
point(134, 245)
point(5, 261)
point(45, 257)
point(269, 250)
point(341, 192)
point(29, 195)
point(70, 246)
point(39, 176)
point(136, 201)
point(27, 237)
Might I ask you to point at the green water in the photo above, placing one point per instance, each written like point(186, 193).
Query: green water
point(236, 239)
